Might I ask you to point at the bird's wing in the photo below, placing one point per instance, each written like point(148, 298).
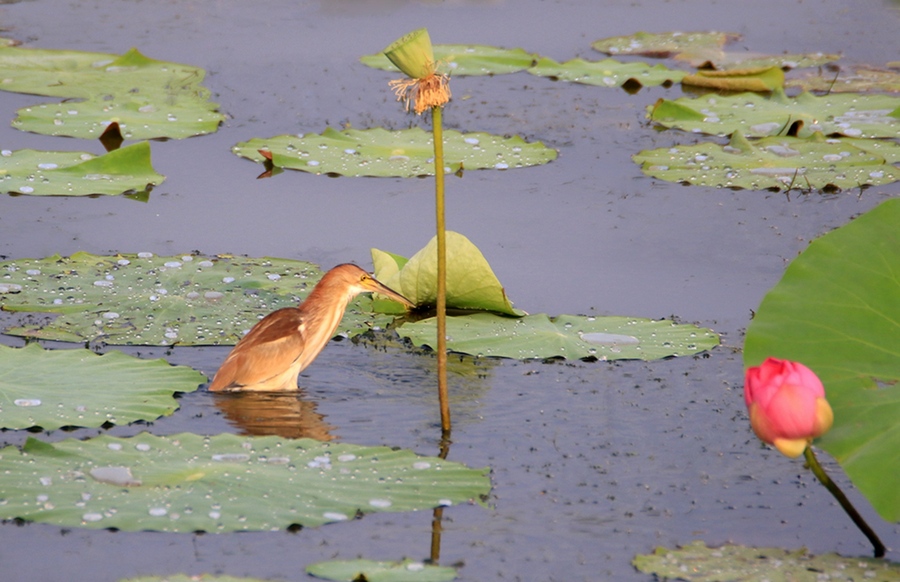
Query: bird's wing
point(264, 358)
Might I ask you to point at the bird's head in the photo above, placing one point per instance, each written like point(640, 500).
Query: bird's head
point(355, 280)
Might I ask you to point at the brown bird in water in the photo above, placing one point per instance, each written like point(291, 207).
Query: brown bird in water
point(272, 354)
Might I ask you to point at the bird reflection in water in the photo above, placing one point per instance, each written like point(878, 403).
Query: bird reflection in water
point(286, 414)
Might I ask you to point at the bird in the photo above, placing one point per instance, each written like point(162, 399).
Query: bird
point(274, 352)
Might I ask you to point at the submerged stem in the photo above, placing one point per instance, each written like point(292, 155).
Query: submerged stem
point(813, 463)
point(437, 129)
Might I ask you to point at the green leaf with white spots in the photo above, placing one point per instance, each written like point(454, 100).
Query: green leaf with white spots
point(696, 562)
point(55, 388)
point(780, 163)
point(148, 98)
point(850, 80)
point(374, 571)
point(404, 153)
point(224, 483)
point(664, 44)
point(471, 283)
point(567, 336)
point(849, 115)
point(465, 60)
point(143, 299)
point(38, 173)
point(606, 73)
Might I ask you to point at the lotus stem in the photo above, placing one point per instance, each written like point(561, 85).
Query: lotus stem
point(813, 463)
point(443, 396)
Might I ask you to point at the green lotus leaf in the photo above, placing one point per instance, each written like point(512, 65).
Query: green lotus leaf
point(663, 45)
point(148, 98)
point(188, 482)
point(143, 299)
point(744, 60)
point(780, 163)
point(471, 283)
point(852, 80)
point(836, 310)
point(466, 60)
point(758, 79)
point(55, 388)
point(696, 562)
point(568, 336)
point(39, 173)
point(404, 153)
point(850, 115)
point(606, 73)
point(373, 571)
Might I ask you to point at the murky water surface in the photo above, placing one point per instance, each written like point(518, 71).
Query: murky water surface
point(592, 462)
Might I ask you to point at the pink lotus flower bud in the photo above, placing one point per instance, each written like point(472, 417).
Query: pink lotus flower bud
point(787, 405)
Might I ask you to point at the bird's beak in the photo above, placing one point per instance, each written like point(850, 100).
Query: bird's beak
point(382, 289)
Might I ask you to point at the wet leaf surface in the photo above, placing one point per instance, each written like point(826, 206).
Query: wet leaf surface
point(781, 163)
point(836, 310)
point(144, 299)
point(405, 153)
point(39, 173)
point(850, 80)
point(696, 562)
point(188, 482)
point(56, 388)
point(850, 115)
point(148, 98)
point(606, 73)
point(566, 336)
point(375, 571)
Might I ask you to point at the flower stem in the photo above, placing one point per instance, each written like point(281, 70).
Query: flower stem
point(813, 463)
point(438, 131)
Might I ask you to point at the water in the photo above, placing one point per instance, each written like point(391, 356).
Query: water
point(591, 462)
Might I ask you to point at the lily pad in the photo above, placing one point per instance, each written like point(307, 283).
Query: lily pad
point(852, 80)
point(471, 283)
point(758, 79)
point(405, 153)
point(781, 163)
point(662, 45)
point(836, 310)
point(850, 115)
point(55, 388)
point(143, 299)
point(606, 73)
point(373, 571)
point(466, 60)
point(39, 173)
point(188, 482)
point(696, 562)
point(567, 336)
point(148, 98)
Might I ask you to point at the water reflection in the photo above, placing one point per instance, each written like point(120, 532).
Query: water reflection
point(289, 415)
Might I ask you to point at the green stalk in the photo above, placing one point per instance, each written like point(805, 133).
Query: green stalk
point(813, 463)
point(438, 131)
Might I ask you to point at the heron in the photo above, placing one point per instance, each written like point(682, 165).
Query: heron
point(274, 352)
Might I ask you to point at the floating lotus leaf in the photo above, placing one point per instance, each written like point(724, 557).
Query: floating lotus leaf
point(567, 336)
point(52, 389)
point(144, 299)
point(663, 45)
point(466, 60)
point(851, 115)
point(40, 173)
point(781, 163)
point(836, 310)
point(188, 482)
point(759, 79)
point(148, 98)
point(696, 562)
point(850, 81)
point(606, 73)
point(404, 153)
point(471, 283)
point(372, 571)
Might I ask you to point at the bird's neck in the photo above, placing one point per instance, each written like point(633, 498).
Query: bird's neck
point(324, 308)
